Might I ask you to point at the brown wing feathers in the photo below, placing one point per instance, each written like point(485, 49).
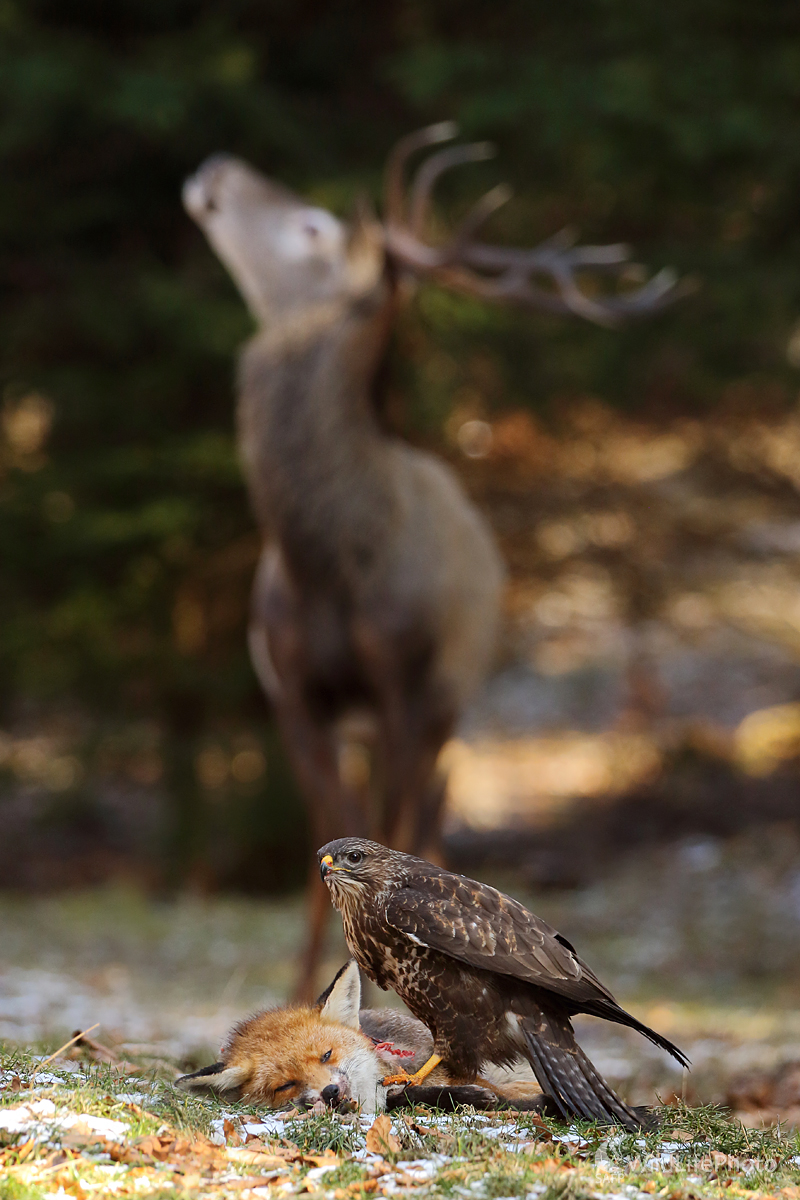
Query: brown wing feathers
point(478, 925)
point(502, 937)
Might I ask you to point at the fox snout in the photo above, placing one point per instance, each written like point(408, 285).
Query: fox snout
point(334, 1094)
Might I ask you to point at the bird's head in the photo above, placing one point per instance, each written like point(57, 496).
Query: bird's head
point(352, 867)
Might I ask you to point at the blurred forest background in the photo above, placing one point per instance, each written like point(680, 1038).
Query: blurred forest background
point(643, 483)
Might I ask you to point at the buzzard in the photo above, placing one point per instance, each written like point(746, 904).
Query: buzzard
point(489, 979)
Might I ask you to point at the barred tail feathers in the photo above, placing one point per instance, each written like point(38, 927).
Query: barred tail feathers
point(565, 1074)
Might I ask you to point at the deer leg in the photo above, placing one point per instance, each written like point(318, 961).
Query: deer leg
point(333, 812)
point(415, 793)
point(314, 763)
point(414, 724)
point(425, 838)
point(278, 640)
point(311, 745)
point(318, 911)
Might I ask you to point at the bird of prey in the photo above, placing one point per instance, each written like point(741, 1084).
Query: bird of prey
point(489, 979)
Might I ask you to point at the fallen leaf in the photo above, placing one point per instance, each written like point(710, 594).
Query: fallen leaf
point(231, 1131)
point(328, 1159)
point(539, 1124)
point(55, 1159)
point(256, 1158)
point(550, 1164)
point(67, 1182)
point(125, 1154)
point(189, 1181)
point(257, 1145)
point(156, 1145)
point(252, 1181)
point(170, 1146)
point(380, 1139)
point(81, 1134)
point(141, 1112)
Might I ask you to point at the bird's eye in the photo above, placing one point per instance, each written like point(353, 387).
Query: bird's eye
point(284, 1086)
point(354, 857)
point(326, 1056)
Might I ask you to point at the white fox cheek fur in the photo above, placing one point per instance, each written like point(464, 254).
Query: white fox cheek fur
point(301, 1056)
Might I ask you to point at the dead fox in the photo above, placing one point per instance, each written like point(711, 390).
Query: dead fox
point(333, 1053)
point(300, 1055)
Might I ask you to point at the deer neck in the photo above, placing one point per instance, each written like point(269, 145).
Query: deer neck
point(314, 455)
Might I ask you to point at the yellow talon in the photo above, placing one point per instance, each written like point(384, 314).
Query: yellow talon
point(416, 1079)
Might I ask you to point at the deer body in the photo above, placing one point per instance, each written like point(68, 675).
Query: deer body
point(378, 587)
point(379, 583)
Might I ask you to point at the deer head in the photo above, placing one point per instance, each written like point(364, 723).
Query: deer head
point(283, 253)
point(286, 254)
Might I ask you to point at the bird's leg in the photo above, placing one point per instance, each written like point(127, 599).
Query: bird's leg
point(416, 1079)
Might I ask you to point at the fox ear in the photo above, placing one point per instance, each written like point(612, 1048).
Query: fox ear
point(218, 1078)
point(341, 1002)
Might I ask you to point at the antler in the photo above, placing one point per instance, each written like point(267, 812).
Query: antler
point(498, 272)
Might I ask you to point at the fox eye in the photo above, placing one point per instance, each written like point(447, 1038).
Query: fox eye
point(284, 1086)
point(326, 1056)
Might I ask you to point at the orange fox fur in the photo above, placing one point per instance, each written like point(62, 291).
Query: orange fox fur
point(333, 1053)
point(300, 1055)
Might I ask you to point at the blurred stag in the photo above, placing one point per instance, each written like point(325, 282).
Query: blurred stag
point(376, 599)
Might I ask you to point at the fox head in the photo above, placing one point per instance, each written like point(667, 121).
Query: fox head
point(300, 1055)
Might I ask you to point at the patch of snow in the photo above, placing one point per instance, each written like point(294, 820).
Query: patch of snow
point(39, 1119)
point(316, 1173)
point(16, 1119)
point(216, 1133)
point(572, 1137)
point(422, 1169)
point(268, 1125)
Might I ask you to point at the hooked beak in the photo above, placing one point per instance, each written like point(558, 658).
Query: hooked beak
point(326, 866)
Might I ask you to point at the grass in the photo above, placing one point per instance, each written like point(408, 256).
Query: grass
point(116, 974)
point(698, 1153)
point(326, 1132)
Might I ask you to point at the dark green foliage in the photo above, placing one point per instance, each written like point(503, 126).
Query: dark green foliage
point(125, 539)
